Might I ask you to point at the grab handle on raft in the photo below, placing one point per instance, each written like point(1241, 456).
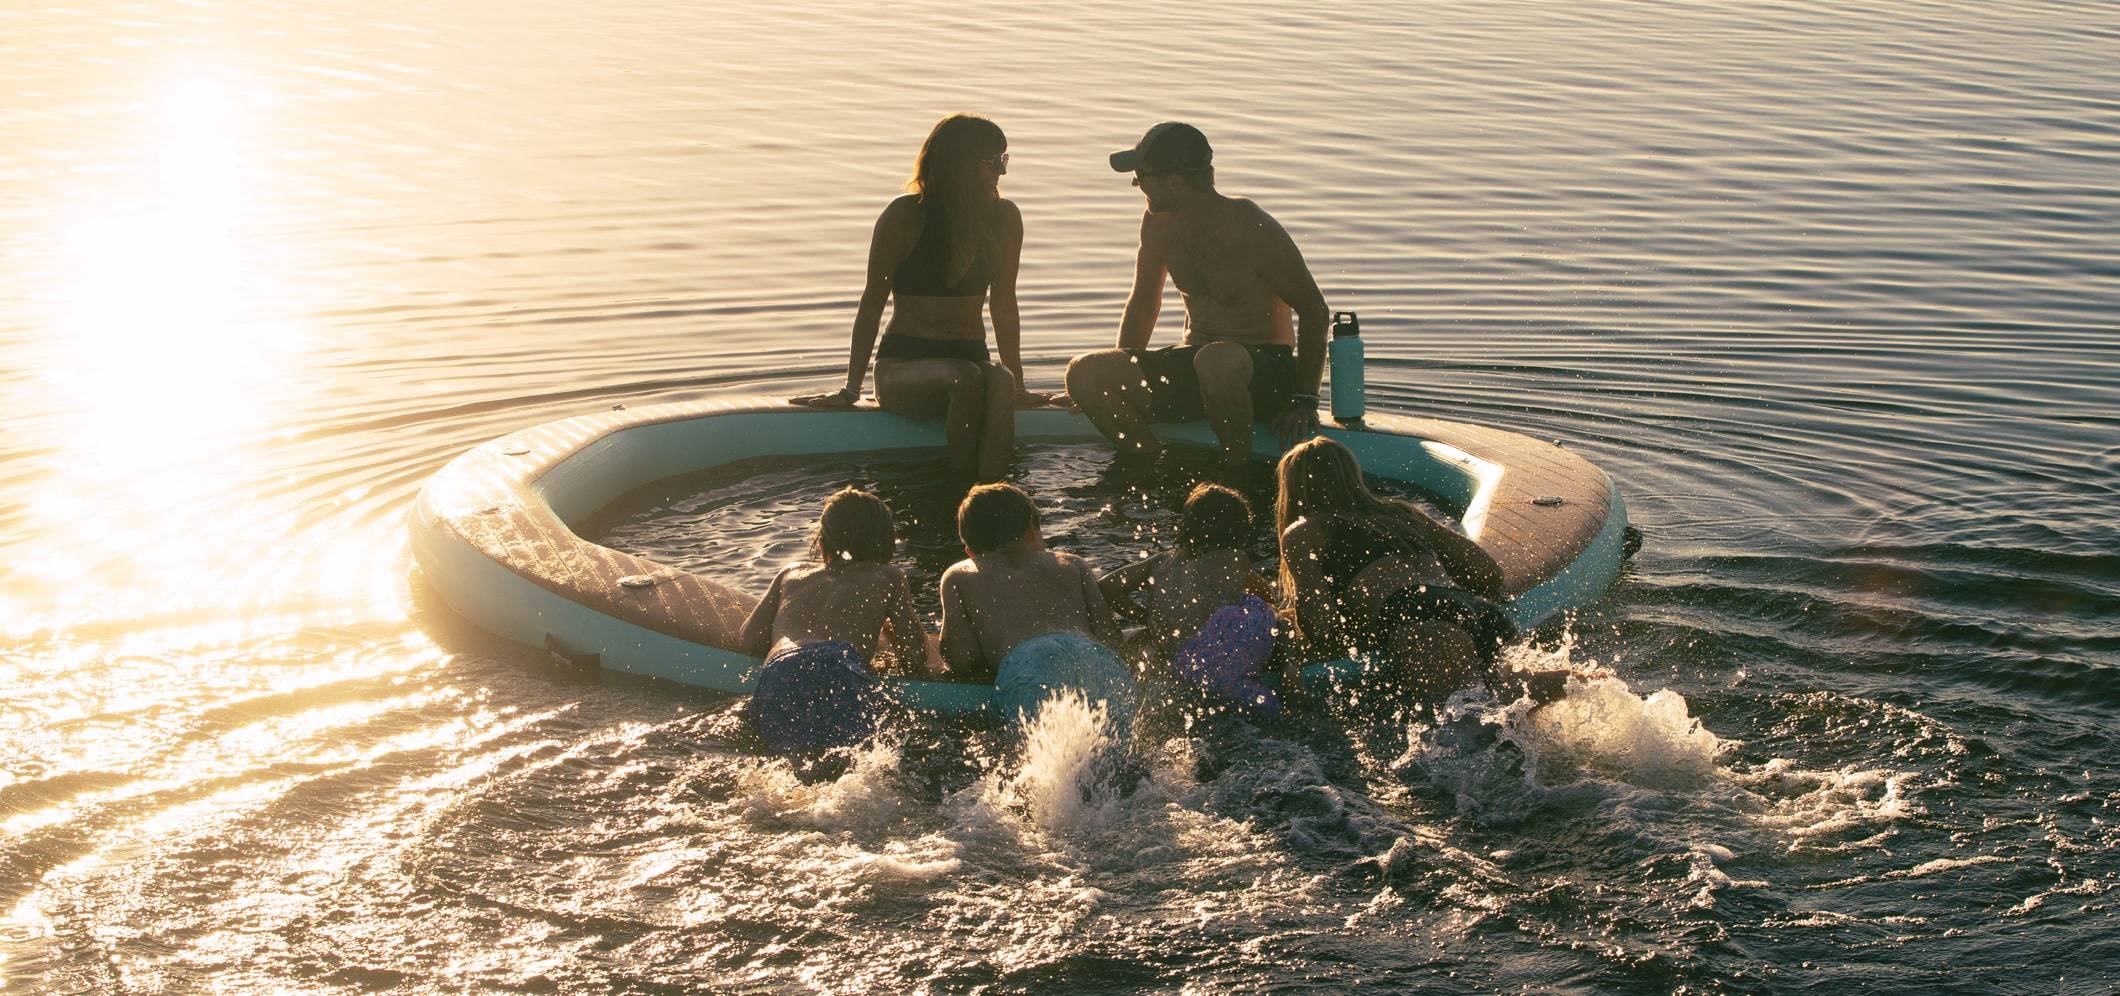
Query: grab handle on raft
point(573, 663)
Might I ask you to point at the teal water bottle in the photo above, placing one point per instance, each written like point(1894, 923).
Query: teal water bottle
point(1346, 352)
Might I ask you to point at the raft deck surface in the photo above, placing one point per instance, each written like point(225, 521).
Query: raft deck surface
point(500, 515)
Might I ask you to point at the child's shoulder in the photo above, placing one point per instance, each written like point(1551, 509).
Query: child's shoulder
point(890, 575)
point(1073, 563)
point(873, 572)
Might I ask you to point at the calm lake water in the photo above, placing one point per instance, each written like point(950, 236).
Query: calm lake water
point(1830, 290)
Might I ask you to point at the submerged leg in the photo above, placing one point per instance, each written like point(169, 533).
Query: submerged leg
point(1433, 659)
point(1110, 388)
point(997, 421)
point(952, 389)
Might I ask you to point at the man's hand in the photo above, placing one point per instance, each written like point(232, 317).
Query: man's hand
point(1299, 421)
point(1037, 399)
point(842, 398)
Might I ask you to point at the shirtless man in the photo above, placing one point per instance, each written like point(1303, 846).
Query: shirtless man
point(1010, 589)
point(1240, 276)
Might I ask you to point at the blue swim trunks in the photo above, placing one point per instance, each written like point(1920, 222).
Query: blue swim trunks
point(815, 697)
point(1042, 666)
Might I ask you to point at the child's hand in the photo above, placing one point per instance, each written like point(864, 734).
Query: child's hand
point(935, 666)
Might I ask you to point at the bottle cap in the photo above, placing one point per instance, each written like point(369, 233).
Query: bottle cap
point(1345, 323)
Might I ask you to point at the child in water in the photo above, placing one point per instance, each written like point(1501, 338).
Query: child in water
point(818, 626)
point(1207, 610)
point(1011, 595)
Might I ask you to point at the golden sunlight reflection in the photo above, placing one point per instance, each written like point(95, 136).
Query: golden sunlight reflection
point(328, 734)
point(161, 347)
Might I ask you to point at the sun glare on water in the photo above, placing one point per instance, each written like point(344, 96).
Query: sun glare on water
point(161, 342)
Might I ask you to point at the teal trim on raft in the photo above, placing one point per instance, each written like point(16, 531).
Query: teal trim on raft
point(503, 600)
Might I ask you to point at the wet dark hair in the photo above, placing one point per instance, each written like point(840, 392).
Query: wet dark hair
point(949, 159)
point(993, 516)
point(1216, 518)
point(856, 525)
point(946, 176)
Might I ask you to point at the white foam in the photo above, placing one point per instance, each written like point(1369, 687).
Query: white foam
point(1601, 726)
point(1810, 806)
point(1604, 738)
point(2086, 887)
point(1064, 782)
point(866, 795)
point(1703, 870)
point(929, 857)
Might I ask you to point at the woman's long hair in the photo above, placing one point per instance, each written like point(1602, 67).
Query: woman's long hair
point(946, 177)
point(1321, 477)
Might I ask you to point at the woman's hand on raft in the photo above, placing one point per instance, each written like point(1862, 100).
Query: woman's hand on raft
point(841, 398)
point(844, 398)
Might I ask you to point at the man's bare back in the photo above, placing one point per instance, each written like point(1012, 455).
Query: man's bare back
point(993, 601)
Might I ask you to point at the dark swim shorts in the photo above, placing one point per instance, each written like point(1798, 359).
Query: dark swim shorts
point(1175, 385)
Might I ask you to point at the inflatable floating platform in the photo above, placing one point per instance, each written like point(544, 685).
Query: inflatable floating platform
point(493, 530)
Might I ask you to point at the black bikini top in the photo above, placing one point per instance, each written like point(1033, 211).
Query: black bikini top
point(923, 272)
point(1353, 542)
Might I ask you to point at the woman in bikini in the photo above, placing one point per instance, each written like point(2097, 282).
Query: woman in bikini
point(1385, 582)
point(942, 255)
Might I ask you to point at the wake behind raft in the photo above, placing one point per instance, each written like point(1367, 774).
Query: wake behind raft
point(494, 530)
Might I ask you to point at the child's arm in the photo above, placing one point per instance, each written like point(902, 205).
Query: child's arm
point(1316, 615)
point(756, 637)
point(1468, 565)
point(1119, 586)
point(908, 636)
point(960, 645)
point(1102, 624)
point(1257, 583)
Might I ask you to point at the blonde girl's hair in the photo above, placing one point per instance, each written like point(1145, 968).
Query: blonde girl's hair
point(1320, 476)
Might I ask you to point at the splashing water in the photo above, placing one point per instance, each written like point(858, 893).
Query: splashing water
point(1070, 756)
point(1503, 762)
point(865, 795)
point(1601, 726)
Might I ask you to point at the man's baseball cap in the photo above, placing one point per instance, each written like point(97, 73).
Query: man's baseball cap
point(1170, 147)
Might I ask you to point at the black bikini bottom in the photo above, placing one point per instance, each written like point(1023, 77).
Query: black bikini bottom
point(912, 347)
